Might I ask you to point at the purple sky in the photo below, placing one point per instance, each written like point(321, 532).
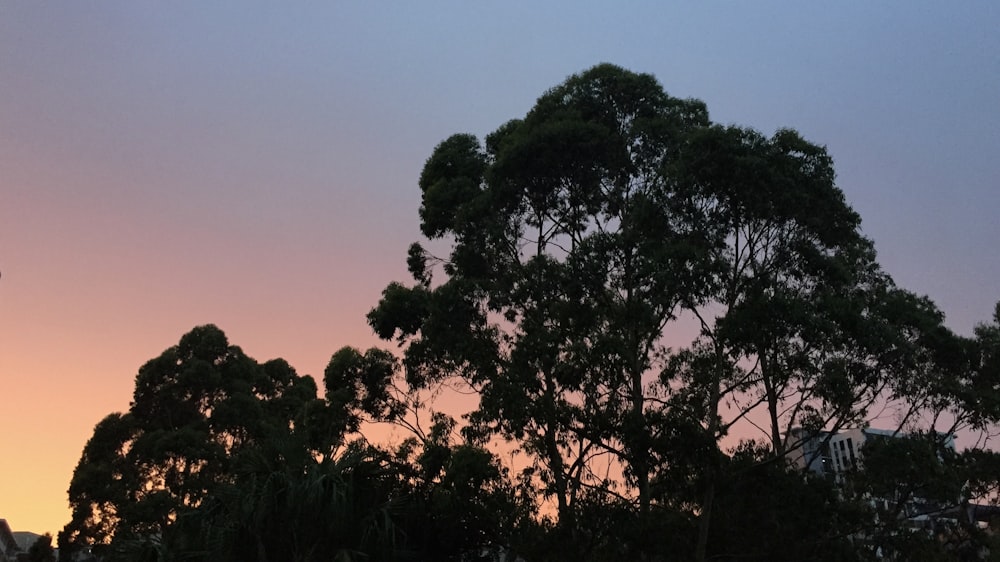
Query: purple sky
point(254, 165)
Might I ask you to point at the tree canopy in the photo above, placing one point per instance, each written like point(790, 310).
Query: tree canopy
point(220, 457)
point(199, 410)
point(665, 322)
point(587, 241)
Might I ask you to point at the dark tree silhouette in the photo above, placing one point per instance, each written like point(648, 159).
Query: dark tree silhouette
point(42, 550)
point(584, 237)
point(198, 411)
point(624, 286)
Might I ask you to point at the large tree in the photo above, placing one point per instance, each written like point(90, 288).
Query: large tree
point(199, 410)
point(795, 331)
point(220, 457)
point(567, 264)
point(626, 284)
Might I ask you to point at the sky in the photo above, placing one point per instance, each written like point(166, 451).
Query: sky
point(254, 164)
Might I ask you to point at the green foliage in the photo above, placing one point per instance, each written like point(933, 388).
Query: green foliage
point(564, 268)
point(222, 458)
point(42, 550)
point(581, 239)
point(359, 384)
point(461, 502)
point(450, 503)
point(583, 233)
point(919, 490)
point(793, 284)
point(200, 410)
point(766, 511)
point(337, 510)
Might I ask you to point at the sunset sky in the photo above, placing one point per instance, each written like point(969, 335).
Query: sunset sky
point(254, 164)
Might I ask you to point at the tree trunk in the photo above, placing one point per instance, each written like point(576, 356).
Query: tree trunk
point(712, 471)
point(704, 522)
point(777, 443)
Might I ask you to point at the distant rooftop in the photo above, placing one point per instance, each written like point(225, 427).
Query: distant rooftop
point(25, 539)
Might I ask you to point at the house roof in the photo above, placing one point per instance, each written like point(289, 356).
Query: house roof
point(8, 545)
point(25, 539)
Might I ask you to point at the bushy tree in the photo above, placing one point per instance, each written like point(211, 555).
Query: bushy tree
point(41, 550)
point(199, 410)
point(584, 237)
point(223, 458)
point(566, 266)
point(624, 286)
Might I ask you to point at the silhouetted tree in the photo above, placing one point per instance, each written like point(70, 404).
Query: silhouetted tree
point(581, 236)
point(42, 550)
point(581, 240)
point(223, 458)
point(566, 266)
point(198, 411)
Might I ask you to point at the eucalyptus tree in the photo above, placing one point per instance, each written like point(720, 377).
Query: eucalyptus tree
point(792, 276)
point(201, 410)
point(942, 465)
point(340, 508)
point(802, 330)
point(566, 267)
point(583, 240)
point(962, 391)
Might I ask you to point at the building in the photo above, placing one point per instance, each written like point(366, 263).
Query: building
point(835, 453)
point(9, 550)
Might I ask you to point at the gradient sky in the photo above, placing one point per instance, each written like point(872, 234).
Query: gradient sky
point(254, 164)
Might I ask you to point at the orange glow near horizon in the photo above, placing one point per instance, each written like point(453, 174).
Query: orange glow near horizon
point(163, 167)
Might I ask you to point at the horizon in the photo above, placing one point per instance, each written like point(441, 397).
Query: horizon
point(256, 167)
